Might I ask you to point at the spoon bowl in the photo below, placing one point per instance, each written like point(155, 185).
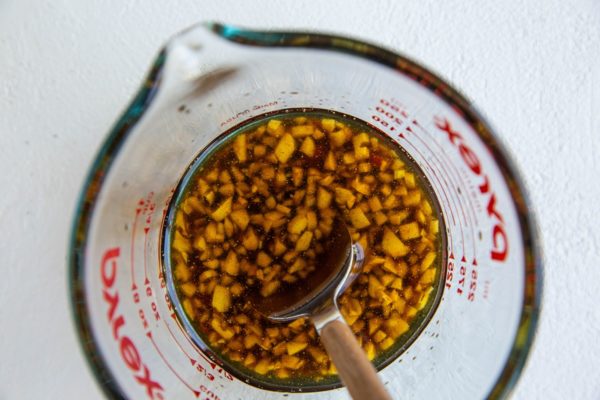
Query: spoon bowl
point(316, 298)
point(338, 270)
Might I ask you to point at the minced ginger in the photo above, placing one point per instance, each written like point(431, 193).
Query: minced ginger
point(256, 218)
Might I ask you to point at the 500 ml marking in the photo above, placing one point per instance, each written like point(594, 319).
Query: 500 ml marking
point(390, 114)
point(461, 274)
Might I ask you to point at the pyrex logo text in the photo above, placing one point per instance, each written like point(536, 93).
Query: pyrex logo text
point(499, 250)
point(129, 352)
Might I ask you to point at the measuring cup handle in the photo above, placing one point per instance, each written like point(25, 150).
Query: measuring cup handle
point(354, 368)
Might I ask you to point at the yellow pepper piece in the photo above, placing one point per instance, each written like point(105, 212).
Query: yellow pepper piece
point(302, 130)
point(328, 124)
point(392, 245)
point(231, 264)
point(297, 224)
point(273, 126)
point(240, 147)
point(285, 148)
point(270, 288)
point(304, 242)
point(409, 231)
point(223, 210)
point(323, 198)
point(295, 347)
point(330, 163)
point(240, 218)
point(221, 300)
point(359, 143)
point(358, 218)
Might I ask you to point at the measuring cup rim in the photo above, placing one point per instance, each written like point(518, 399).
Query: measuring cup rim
point(353, 47)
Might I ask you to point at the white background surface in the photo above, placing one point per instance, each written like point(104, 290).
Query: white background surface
point(68, 68)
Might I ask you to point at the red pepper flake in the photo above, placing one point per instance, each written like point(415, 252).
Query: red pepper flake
point(376, 160)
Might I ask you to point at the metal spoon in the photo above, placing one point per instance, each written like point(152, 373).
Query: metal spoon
point(316, 298)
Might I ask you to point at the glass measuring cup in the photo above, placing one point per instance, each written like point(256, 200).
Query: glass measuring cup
point(208, 80)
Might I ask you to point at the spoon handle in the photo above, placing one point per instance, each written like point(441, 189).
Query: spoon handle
point(354, 368)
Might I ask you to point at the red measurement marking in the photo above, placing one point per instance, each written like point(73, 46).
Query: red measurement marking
point(394, 106)
point(149, 334)
point(147, 210)
point(457, 204)
point(473, 284)
point(433, 171)
point(454, 202)
point(142, 316)
point(435, 175)
point(442, 153)
point(461, 280)
point(146, 281)
point(205, 372)
point(383, 122)
point(399, 122)
point(153, 305)
point(389, 118)
point(192, 361)
point(213, 365)
point(210, 395)
point(208, 360)
point(433, 153)
point(449, 274)
point(133, 229)
point(456, 177)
